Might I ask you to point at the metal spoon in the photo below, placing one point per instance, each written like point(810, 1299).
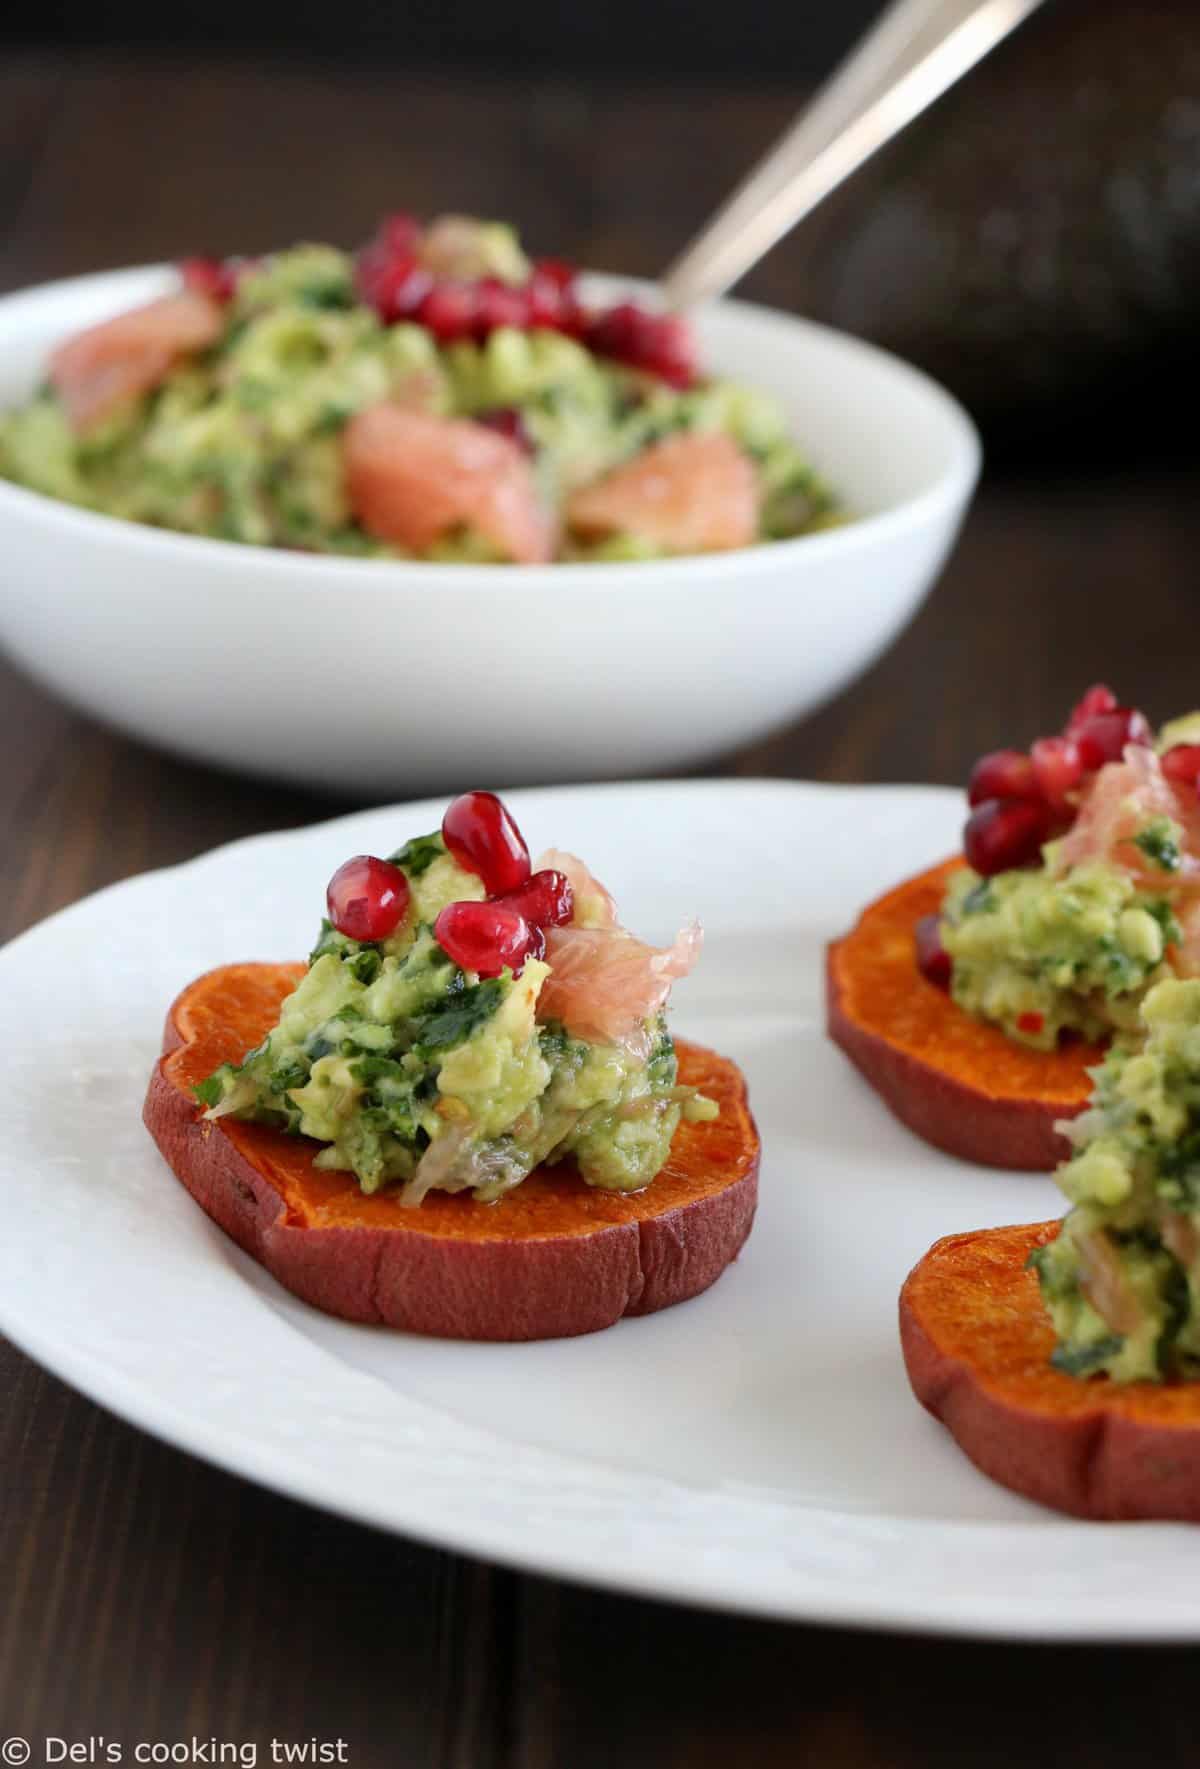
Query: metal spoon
point(912, 54)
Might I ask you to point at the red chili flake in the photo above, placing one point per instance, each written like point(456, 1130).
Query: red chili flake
point(1033, 1023)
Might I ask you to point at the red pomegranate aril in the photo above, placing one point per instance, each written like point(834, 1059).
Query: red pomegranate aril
point(485, 937)
point(1033, 1023)
point(499, 304)
point(933, 960)
point(397, 290)
point(1181, 765)
point(556, 271)
point(506, 420)
point(1103, 737)
point(478, 830)
point(673, 350)
point(399, 234)
point(1098, 699)
point(1001, 774)
point(546, 899)
point(1002, 834)
point(662, 344)
point(450, 310)
point(209, 276)
point(367, 898)
point(1057, 769)
point(549, 304)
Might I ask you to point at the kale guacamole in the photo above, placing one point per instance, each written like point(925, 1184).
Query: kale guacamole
point(1065, 936)
point(1122, 1280)
point(416, 1061)
point(239, 408)
point(1043, 952)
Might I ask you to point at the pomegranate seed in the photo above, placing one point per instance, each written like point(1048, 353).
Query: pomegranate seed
point(1032, 1023)
point(1001, 834)
point(548, 306)
point(556, 271)
point(1057, 769)
point(367, 898)
point(1102, 737)
point(399, 234)
point(1098, 699)
point(662, 344)
point(486, 937)
point(1182, 764)
point(1001, 774)
point(546, 899)
point(933, 960)
point(396, 288)
point(506, 420)
point(210, 276)
point(449, 310)
point(483, 838)
point(499, 304)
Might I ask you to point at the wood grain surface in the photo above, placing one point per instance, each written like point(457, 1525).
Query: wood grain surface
point(148, 1597)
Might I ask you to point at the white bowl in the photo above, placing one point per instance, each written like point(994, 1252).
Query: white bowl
point(371, 675)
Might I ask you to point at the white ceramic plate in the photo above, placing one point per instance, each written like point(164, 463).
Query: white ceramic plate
point(757, 1448)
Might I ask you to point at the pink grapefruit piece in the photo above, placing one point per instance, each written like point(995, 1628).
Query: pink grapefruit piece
point(686, 494)
point(413, 478)
point(108, 366)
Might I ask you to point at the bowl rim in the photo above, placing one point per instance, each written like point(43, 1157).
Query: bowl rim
point(949, 491)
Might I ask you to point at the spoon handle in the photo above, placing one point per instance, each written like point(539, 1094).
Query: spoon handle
point(916, 50)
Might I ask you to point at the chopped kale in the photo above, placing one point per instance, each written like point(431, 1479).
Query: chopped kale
point(662, 1067)
point(1164, 915)
point(553, 1041)
point(287, 1075)
point(1055, 1284)
point(1159, 841)
point(1082, 1360)
point(365, 964)
point(1178, 1182)
point(370, 1069)
point(419, 854)
point(980, 899)
point(452, 1022)
point(209, 1092)
point(1177, 1304)
point(364, 961)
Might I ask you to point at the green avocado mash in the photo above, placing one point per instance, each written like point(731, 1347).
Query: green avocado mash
point(1040, 954)
point(242, 441)
point(409, 1069)
point(1122, 1280)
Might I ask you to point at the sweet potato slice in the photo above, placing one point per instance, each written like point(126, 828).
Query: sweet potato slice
point(977, 1344)
point(553, 1258)
point(957, 1082)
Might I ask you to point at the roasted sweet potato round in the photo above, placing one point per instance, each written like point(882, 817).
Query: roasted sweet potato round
point(553, 1258)
point(977, 1344)
point(957, 1082)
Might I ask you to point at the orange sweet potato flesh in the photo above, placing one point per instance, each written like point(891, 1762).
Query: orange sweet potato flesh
point(977, 1344)
point(959, 1083)
point(555, 1257)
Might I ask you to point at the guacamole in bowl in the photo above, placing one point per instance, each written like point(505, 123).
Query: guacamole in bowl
point(436, 396)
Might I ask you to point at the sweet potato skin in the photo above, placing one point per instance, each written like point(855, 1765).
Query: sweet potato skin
point(958, 1083)
point(553, 1259)
point(977, 1343)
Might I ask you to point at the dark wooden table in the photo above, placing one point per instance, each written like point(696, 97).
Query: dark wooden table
point(147, 1597)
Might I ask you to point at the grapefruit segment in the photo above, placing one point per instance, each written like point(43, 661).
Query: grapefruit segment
point(687, 494)
point(413, 478)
